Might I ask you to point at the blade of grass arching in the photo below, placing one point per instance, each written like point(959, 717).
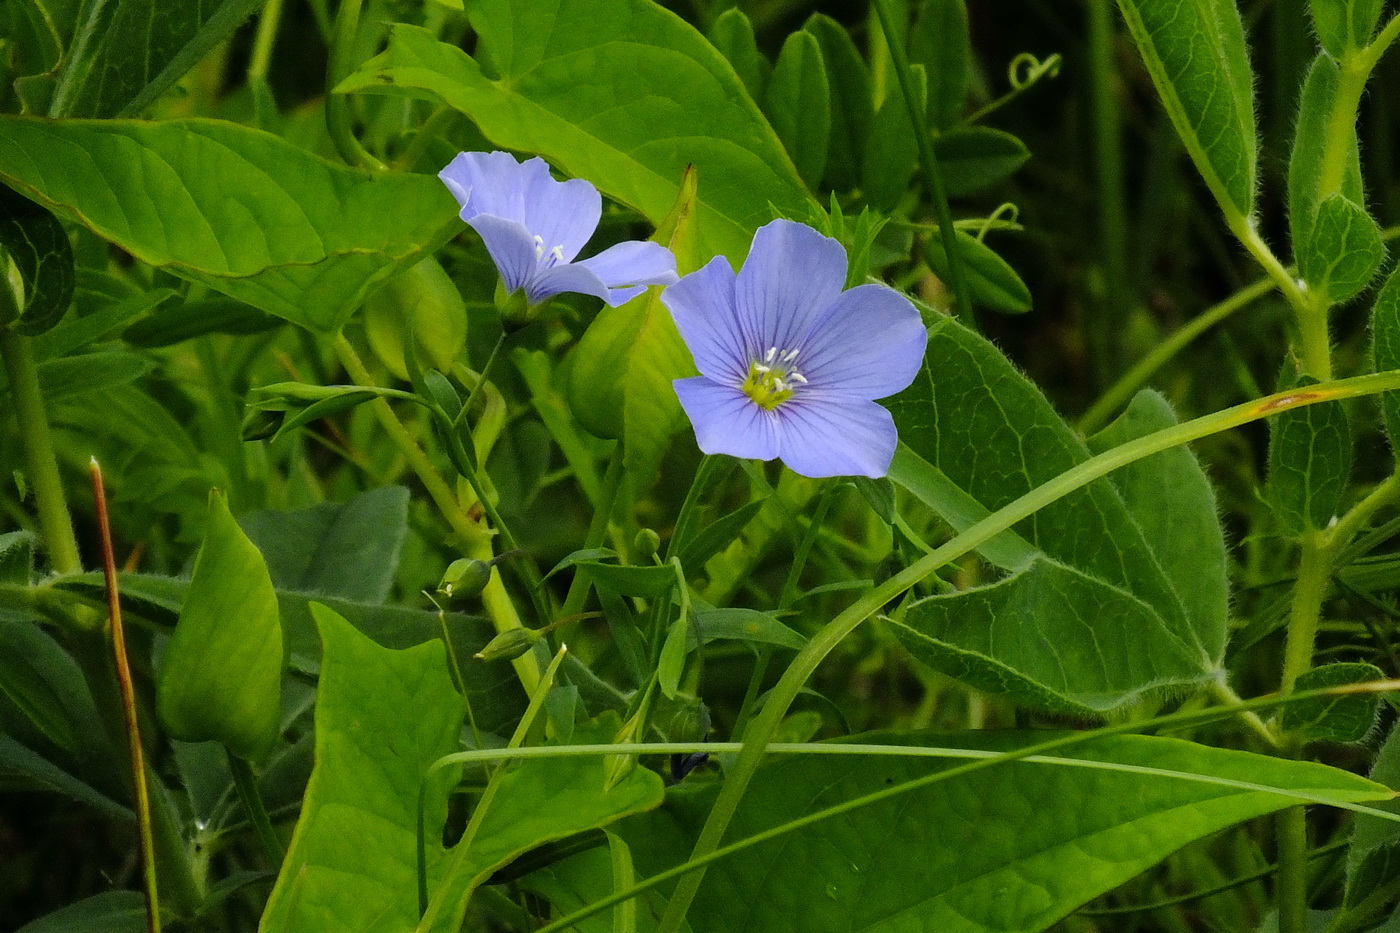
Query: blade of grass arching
point(764, 727)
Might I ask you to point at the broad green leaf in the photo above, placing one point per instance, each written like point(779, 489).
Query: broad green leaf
point(940, 41)
point(1337, 718)
point(798, 104)
point(129, 51)
point(34, 240)
point(1309, 461)
point(1171, 500)
point(1385, 344)
point(108, 912)
point(1305, 162)
point(382, 718)
point(1345, 25)
point(992, 281)
point(495, 694)
point(237, 209)
point(541, 801)
point(344, 549)
point(221, 675)
point(1195, 52)
point(977, 157)
point(1053, 636)
point(891, 148)
point(732, 34)
point(624, 94)
point(968, 408)
point(852, 101)
point(422, 301)
point(1011, 848)
point(1344, 250)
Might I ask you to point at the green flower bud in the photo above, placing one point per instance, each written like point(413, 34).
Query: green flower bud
point(645, 545)
point(464, 579)
point(509, 645)
point(259, 424)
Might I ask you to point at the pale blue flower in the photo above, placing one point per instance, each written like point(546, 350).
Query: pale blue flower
point(790, 365)
point(534, 226)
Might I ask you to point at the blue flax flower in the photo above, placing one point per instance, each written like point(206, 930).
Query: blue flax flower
point(534, 226)
point(789, 363)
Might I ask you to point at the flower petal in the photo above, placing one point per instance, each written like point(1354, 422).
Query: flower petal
point(572, 277)
point(726, 420)
point(635, 262)
point(560, 213)
point(790, 277)
point(702, 305)
point(821, 437)
point(486, 183)
point(868, 345)
point(511, 246)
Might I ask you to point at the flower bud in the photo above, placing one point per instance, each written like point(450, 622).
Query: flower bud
point(464, 579)
point(645, 545)
point(509, 645)
point(259, 424)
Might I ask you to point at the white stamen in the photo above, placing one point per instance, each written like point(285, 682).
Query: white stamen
point(772, 352)
point(790, 356)
point(557, 253)
point(798, 378)
point(539, 247)
point(760, 368)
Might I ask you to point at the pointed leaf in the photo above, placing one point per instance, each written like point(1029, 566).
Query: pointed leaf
point(1305, 162)
point(852, 101)
point(1344, 250)
point(732, 34)
point(798, 105)
point(37, 244)
point(940, 41)
point(1338, 718)
point(1345, 25)
point(1309, 462)
point(257, 218)
point(992, 281)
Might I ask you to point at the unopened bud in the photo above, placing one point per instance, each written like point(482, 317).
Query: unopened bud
point(464, 579)
point(509, 645)
point(645, 545)
point(259, 425)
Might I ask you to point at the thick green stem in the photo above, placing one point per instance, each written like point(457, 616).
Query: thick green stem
point(338, 117)
point(1314, 568)
point(1291, 826)
point(1112, 208)
point(928, 163)
point(40, 462)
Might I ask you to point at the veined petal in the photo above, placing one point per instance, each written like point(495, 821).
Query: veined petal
point(869, 344)
point(486, 183)
point(790, 277)
point(511, 246)
point(635, 262)
point(727, 421)
point(560, 213)
point(702, 305)
point(824, 437)
point(573, 277)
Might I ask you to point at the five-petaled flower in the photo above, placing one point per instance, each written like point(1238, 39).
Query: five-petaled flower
point(790, 365)
point(534, 226)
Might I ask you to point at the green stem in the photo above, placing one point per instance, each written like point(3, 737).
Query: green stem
point(247, 786)
point(1112, 209)
point(597, 531)
point(1292, 886)
point(762, 729)
point(40, 461)
point(707, 473)
point(1314, 569)
point(338, 118)
point(928, 164)
point(268, 21)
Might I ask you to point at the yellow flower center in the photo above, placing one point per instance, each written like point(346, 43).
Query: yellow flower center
point(771, 381)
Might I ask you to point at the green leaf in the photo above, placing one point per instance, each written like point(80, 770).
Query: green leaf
point(40, 30)
point(746, 625)
point(1195, 52)
point(108, 912)
point(798, 105)
point(129, 51)
point(42, 681)
point(189, 319)
point(992, 281)
point(423, 303)
point(17, 557)
point(941, 42)
point(732, 34)
point(1337, 718)
point(92, 372)
point(970, 407)
point(1344, 250)
point(1345, 25)
point(33, 239)
point(852, 101)
point(1171, 500)
point(221, 675)
point(657, 98)
point(345, 549)
point(258, 218)
point(1305, 162)
point(78, 332)
point(17, 760)
point(1309, 461)
point(1010, 848)
point(352, 860)
point(718, 535)
point(541, 801)
point(891, 148)
point(974, 158)
point(1054, 637)
point(1385, 337)
point(630, 581)
point(1373, 858)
